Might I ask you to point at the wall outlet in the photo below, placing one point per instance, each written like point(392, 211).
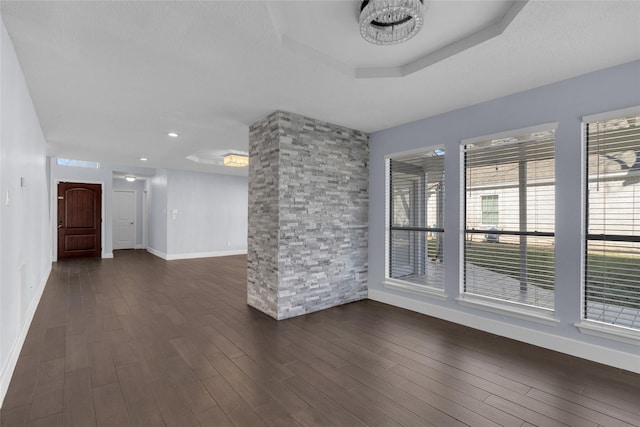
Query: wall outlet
point(228, 243)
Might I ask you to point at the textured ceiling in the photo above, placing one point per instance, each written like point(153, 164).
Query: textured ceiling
point(111, 79)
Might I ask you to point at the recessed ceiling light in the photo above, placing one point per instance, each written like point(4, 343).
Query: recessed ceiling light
point(130, 178)
point(173, 134)
point(143, 159)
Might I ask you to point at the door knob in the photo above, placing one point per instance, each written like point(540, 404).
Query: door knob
point(59, 225)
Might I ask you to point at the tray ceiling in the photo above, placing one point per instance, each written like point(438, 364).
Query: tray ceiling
point(109, 79)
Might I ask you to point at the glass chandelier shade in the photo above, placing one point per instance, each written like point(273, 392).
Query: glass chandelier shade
point(386, 22)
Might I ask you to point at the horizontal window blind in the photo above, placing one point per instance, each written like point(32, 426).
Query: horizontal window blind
point(612, 258)
point(416, 218)
point(509, 246)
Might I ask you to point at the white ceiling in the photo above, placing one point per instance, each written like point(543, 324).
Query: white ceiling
point(111, 79)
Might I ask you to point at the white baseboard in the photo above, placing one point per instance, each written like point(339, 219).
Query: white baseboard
point(549, 341)
point(156, 252)
point(107, 255)
point(16, 347)
point(192, 255)
point(205, 254)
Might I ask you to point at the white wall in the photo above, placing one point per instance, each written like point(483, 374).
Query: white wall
point(25, 230)
point(210, 214)
point(102, 175)
point(194, 214)
point(212, 209)
point(565, 102)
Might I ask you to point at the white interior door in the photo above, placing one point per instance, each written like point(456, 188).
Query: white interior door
point(124, 219)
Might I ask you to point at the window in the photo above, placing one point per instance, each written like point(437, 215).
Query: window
point(416, 218)
point(490, 209)
point(612, 247)
point(510, 257)
point(77, 163)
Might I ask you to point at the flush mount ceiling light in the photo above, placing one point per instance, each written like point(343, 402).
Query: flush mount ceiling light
point(236, 160)
point(387, 22)
point(216, 157)
point(143, 159)
point(173, 134)
point(130, 178)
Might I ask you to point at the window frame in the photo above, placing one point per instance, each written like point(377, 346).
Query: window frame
point(540, 315)
point(398, 284)
point(495, 202)
point(589, 326)
point(74, 163)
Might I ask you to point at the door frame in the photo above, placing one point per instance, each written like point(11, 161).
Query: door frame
point(54, 215)
point(145, 213)
point(135, 215)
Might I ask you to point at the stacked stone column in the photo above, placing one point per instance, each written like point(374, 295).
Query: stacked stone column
point(308, 215)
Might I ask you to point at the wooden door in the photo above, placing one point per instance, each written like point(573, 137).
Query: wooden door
point(124, 219)
point(79, 220)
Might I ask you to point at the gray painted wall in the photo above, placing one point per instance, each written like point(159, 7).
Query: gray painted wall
point(309, 190)
point(564, 102)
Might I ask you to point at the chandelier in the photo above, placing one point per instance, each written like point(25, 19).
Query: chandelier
point(236, 160)
point(386, 22)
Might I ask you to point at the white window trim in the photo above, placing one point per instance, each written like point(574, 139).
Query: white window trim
point(482, 211)
point(504, 307)
point(508, 133)
point(611, 332)
point(610, 115)
point(390, 283)
point(507, 308)
point(587, 326)
point(75, 163)
point(387, 214)
point(415, 151)
point(414, 288)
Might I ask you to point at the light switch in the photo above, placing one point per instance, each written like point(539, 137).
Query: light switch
point(7, 198)
point(174, 213)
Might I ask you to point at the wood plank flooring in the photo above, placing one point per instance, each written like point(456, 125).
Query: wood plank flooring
point(139, 341)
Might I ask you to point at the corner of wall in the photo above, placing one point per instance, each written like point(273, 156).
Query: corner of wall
point(308, 215)
point(157, 253)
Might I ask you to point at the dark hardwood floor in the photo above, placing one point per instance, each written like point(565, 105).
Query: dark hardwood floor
point(144, 342)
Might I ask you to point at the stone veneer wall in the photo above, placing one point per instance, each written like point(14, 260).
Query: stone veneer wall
point(308, 203)
point(262, 239)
